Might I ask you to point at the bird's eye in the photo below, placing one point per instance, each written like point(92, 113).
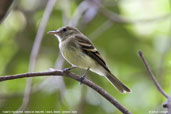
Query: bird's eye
point(64, 29)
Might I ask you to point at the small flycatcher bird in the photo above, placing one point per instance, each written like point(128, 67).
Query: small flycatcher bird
point(80, 52)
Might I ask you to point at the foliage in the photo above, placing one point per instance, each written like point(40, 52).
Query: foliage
point(118, 44)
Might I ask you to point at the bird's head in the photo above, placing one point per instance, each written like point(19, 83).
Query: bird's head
point(64, 32)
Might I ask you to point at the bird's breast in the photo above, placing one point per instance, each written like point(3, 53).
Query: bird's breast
point(74, 55)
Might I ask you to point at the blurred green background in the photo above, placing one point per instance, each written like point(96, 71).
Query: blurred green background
point(118, 44)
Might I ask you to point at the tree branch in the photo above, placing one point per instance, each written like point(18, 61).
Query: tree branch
point(152, 75)
point(35, 50)
point(100, 30)
point(115, 18)
point(87, 82)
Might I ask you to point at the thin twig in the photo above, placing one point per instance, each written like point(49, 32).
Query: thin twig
point(87, 82)
point(100, 30)
point(115, 18)
point(35, 50)
point(152, 75)
point(78, 13)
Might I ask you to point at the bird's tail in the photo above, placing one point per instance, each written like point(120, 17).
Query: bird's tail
point(117, 83)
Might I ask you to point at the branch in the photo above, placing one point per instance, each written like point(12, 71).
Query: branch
point(100, 30)
point(35, 50)
point(78, 13)
point(115, 18)
point(152, 75)
point(87, 82)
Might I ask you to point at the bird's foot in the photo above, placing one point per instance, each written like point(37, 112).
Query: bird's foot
point(83, 76)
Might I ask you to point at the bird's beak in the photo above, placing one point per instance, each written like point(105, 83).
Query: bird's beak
point(53, 32)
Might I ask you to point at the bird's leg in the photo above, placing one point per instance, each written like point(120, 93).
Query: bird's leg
point(68, 69)
point(84, 75)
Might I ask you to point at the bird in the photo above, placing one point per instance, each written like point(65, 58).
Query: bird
point(80, 52)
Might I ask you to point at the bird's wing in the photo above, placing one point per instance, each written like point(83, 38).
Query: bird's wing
point(89, 49)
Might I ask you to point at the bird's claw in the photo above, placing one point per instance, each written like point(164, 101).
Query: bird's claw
point(81, 79)
point(84, 75)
